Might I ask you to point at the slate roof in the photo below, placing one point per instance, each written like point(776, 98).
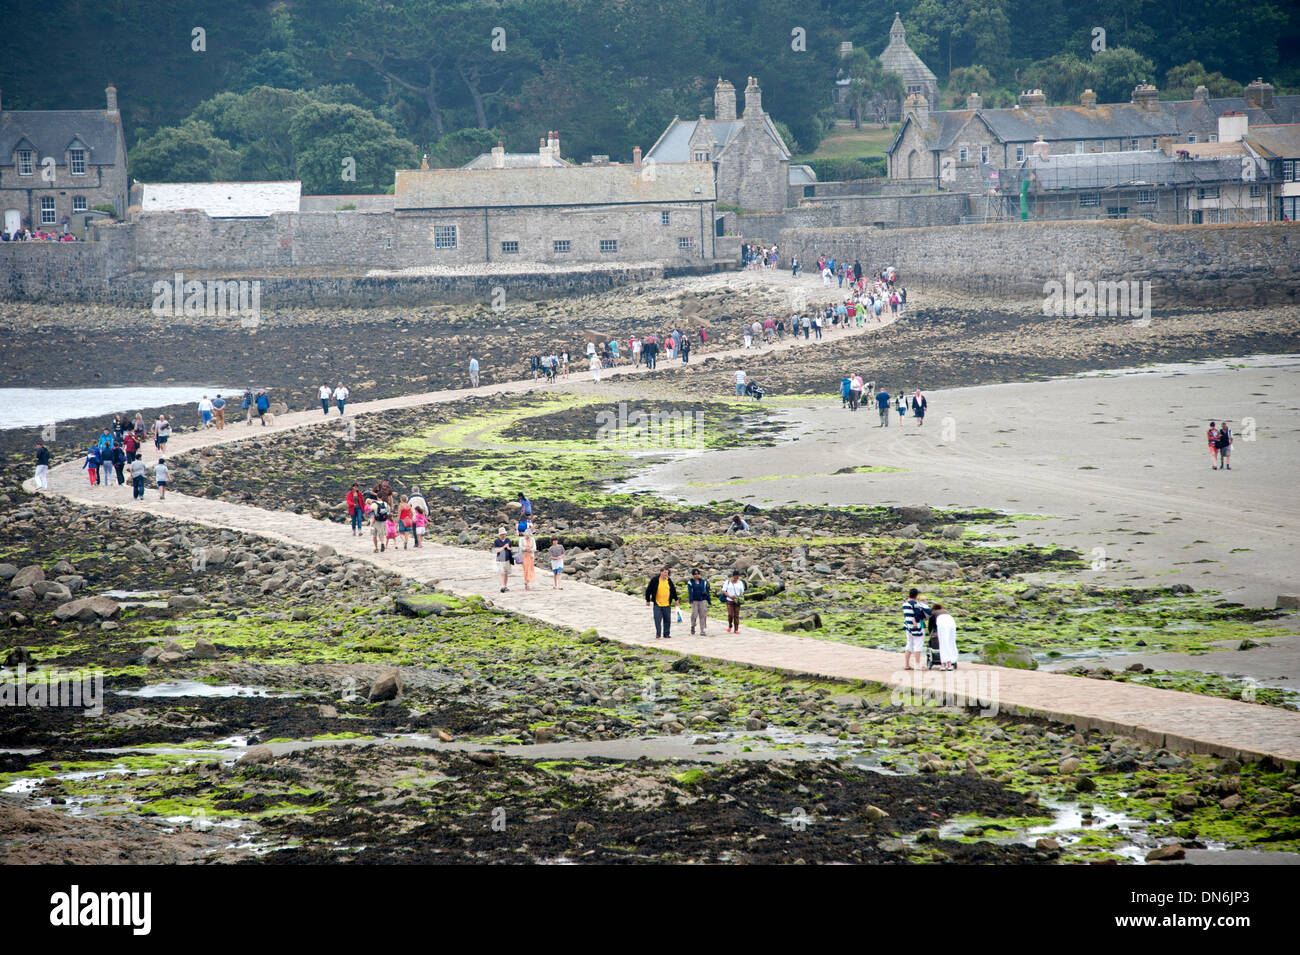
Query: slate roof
point(674, 145)
point(899, 58)
point(1276, 142)
point(1135, 168)
point(801, 175)
point(517, 161)
point(51, 131)
point(564, 186)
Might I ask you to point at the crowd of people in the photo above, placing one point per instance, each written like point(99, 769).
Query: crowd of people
point(854, 393)
point(37, 235)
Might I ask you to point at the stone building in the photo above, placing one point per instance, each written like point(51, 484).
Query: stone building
point(1278, 148)
point(606, 212)
point(88, 168)
point(751, 162)
point(898, 57)
point(960, 149)
point(547, 156)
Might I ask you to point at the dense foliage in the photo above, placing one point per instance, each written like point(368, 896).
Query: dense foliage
point(275, 88)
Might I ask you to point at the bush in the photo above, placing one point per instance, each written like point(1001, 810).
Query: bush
point(346, 207)
point(837, 170)
point(106, 207)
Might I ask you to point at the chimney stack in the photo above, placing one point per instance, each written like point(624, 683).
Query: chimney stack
point(1201, 94)
point(1032, 99)
point(1088, 100)
point(724, 100)
point(1144, 95)
point(110, 95)
point(974, 101)
point(636, 159)
point(499, 155)
point(1259, 94)
point(753, 98)
point(916, 104)
point(555, 144)
point(1040, 148)
point(1233, 126)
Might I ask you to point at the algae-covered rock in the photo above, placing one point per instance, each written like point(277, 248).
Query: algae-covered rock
point(1003, 654)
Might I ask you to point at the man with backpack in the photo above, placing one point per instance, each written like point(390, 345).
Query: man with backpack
point(1224, 444)
point(379, 523)
point(882, 405)
point(914, 615)
point(263, 405)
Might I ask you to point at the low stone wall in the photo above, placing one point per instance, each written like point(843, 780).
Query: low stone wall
point(1240, 264)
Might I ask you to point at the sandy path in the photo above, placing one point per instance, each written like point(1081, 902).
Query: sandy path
point(1159, 717)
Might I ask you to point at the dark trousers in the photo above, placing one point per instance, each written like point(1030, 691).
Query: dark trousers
point(137, 487)
point(325, 405)
point(664, 619)
point(121, 478)
point(342, 402)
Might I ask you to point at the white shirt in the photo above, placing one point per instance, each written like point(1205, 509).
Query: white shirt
point(205, 405)
point(341, 392)
point(740, 377)
point(733, 589)
point(160, 472)
point(946, 628)
point(324, 391)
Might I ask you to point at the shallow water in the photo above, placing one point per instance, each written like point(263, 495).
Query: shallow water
point(35, 407)
point(172, 688)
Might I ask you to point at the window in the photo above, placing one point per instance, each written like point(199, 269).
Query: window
point(444, 237)
point(1290, 170)
point(1090, 199)
point(1133, 144)
point(47, 210)
point(78, 204)
point(1207, 192)
point(984, 155)
point(26, 162)
point(1197, 218)
point(1191, 138)
point(915, 89)
point(663, 218)
point(963, 154)
point(1256, 192)
point(609, 245)
point(1288, 208)
point(1117, 212)
point(701, 156)
point(1078, 147)
point(561, 245)
point(77, 162)
point(1155, 143)
point(685, 243)
point(1214, 137)
point(510, 248)
point(1146, 197)
point(1020, 152)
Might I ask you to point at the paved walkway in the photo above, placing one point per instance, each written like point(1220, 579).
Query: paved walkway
point(1182, 721)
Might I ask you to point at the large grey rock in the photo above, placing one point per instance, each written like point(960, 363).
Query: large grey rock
point(7, 571)
point(1004, 654)
point(258, 755)
point(184, 602)
point(1288, 602)
point(389, 686)
point(203, 650)
point(910, 530)
point(916, 515)
point(51, 590)
point(419, 605)
point(63, 567)
point(31, 574)
point(139, 551)
point(88, 609)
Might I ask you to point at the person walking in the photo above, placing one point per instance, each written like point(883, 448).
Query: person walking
point(219, 412)
point(914, 614)
point(42, 467)
point(527, 553)
point(378, 523)
point(740, 382)
point(138, 471)
point(501, 554)
point(248, 403)
point(942, 625)
point(473, 372)
point(661, 596)
point(161, 478)
point(131, 445)
point(882, 405)
point(855, 391)
point(733, 594)
point(119, 463)
point(594, 364)
point(697, 592)
point(919, 404)
point(1212, 436)
point(263, 405)
point(1224, 444)
point(324, 396)
point(356, 502)
point(341, 394)
point(900, 403)
point(205, 411)
point(405, 521)
point(556, 553)
point(91, 464)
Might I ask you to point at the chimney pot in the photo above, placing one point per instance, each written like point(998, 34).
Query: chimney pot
point(636, 159)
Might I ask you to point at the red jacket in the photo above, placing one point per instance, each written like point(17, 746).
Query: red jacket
point(356, 502)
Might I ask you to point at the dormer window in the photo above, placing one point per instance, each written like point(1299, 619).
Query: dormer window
point(26, 162)
point(77, 162)
point(701, 156)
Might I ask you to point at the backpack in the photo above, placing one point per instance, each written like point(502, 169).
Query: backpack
point(1224, 440)
point(381, 510)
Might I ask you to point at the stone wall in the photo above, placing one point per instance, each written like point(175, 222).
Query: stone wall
point(907, 211)
point(1240, 264)
point(58, 271)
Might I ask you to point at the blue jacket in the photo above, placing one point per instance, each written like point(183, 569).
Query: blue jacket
point(698, 590)
point(263, 402)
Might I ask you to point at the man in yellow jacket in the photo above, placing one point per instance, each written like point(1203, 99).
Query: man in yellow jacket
point(661, 595)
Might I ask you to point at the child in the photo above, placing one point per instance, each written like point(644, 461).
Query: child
point(527, 548)
point(390, 532)
point(420, 522)
point(404, 520)
point(160, 475)
point(91, 465)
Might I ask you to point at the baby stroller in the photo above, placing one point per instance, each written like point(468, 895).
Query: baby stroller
point(753, 390)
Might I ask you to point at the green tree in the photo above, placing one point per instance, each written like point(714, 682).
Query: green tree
point(1181, 82)
point(186, 153)
point(870, 85)
point(458, 148)
point(966, 80)
point(1062, 78)
point(1116, 71)
point(333, 141)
